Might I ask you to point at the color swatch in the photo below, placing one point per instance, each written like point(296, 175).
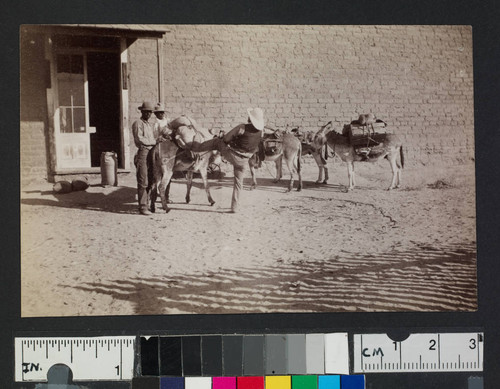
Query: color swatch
point(258, 382)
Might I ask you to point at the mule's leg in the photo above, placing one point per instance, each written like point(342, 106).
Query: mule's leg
point(252, 172)
point(279, 168)
point(353, 175)
point(189, 184)
point(289, 165)
point(164, 182)
point(317, 158)
point(392, 157)
point(350, 174)
point(299, 169)
point(399, 163)
point(203, 173)
point(154, 195)
point(167, 193)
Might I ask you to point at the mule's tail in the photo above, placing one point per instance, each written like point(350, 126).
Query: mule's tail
point(326, 151)
point(402, 157)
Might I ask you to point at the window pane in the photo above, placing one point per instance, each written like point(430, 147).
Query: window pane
point(71, 90)
point(77, 64)
point(67, 63)
point(63, 64)
point(65, 119)
point(79, 120)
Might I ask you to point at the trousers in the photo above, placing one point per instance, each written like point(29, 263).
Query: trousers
point(239, 162)
point(144, 174)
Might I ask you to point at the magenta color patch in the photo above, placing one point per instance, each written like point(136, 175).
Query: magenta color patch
point(224, 383)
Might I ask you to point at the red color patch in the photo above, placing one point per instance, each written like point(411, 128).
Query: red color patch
point(250, 383)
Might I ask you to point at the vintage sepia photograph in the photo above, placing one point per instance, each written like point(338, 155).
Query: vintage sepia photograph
point(233, 169)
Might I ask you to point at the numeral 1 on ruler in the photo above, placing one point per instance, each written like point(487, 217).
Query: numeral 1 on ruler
point(100, 358)
point(377, 353)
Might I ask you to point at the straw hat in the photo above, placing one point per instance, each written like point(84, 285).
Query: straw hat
point(159, 107)
point(146, 106)
point(256, 116)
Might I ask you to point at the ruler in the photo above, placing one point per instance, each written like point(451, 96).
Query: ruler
point(108, 358)
point(432, 352)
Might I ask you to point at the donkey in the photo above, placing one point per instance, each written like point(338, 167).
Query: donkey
point(320, 156)
point(169, 157)
point(289, 148)
point(390, 149)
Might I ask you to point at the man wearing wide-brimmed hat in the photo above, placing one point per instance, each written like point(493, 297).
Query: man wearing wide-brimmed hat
point(162, 128)
point(145, 139)
point(237, 146)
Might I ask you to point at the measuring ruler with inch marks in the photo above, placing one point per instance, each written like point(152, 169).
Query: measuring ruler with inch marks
point(432, 352)
point(108, 358)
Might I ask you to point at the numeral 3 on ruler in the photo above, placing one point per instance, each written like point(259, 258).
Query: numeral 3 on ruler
point(377, 353)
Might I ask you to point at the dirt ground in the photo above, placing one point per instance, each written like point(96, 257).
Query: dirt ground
point(317, 250)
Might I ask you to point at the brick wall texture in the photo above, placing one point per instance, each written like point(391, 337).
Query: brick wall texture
point(419, 79)
point(33, 115)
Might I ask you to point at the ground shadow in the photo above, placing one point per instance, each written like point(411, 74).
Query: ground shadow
point(423, 279)
point(120, 200)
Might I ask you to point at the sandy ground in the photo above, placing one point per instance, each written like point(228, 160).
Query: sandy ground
point(321, 249)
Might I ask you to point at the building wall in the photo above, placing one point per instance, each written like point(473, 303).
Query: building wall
point(33, 115)
point(416, 78)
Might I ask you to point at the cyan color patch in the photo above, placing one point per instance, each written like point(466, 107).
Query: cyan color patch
point(329, 382)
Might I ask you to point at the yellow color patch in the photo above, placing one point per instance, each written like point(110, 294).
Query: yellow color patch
point(278, 382)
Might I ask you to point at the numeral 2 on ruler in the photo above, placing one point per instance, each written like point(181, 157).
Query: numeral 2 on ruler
point(377, 353)
point(100, 358)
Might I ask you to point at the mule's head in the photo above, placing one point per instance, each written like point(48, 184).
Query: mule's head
point(213, 133)
point(319, 138)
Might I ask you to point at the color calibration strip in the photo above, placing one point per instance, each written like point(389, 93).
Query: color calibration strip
point(254, 382)
point(244, 355)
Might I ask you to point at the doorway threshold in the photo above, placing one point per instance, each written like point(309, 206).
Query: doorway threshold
point(72, 173)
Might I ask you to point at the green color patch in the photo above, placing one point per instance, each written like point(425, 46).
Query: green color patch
point(304, 382)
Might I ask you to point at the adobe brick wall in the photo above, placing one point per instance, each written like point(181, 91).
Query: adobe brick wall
point(33, 115)
point(417, 78)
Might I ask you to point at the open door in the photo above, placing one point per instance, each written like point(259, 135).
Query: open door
point(103, 69)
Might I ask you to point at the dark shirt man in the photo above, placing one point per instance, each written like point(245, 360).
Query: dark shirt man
point(237, 146)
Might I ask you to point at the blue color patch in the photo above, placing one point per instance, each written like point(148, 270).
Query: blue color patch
point(172, 383)
point(329, 382)
point(352, 382)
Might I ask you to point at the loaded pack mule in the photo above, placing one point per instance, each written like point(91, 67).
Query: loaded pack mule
point(173, 154)
point(351, 149)
point(277, 147)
